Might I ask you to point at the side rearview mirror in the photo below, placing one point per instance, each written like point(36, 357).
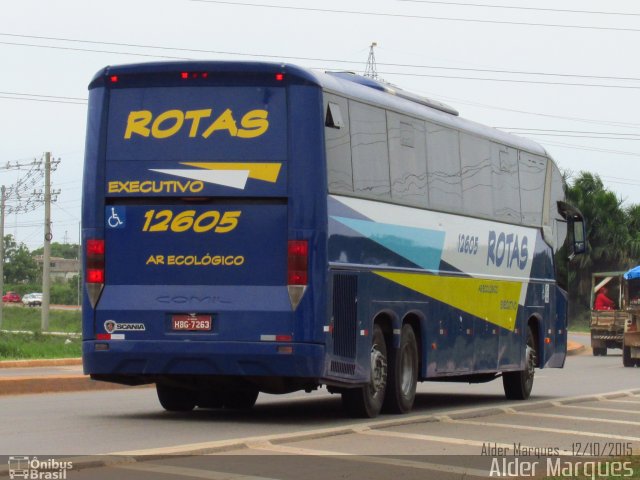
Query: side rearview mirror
point(577, 229)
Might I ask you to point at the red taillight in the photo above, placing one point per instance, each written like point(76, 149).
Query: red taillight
point(298, 256)
point(95, 261)
point(113, 79)
point(95, 247)
point(279, 77)
point(95, 275)
point(184, 75)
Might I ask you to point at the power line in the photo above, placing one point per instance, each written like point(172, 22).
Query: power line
point(43, 96)
point(41, 100)
point(503, 80)
point(314, 59)
point(511, 80)
point(419, 17)
point(568, 131)
point(591, 149)
point(537, 9)
point(576, 136)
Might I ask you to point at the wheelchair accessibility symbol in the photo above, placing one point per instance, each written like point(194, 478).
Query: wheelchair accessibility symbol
point(116, 217)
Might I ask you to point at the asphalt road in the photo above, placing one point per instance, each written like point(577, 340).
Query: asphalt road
point(132, 420)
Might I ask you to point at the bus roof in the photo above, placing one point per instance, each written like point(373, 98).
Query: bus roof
point(341, 83)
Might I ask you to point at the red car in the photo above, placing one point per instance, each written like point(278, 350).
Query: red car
point(11, 297)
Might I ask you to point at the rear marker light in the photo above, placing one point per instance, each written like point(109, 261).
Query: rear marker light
point(279, 77)
point(297, 270)
point(95, 276)
point(95, 247)
point(113, 79)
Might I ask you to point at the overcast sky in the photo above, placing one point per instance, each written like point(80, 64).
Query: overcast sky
point(564, 73)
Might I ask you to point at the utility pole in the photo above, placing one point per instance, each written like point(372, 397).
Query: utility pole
point(371, 70)
point(46, 256)
point(3, 199)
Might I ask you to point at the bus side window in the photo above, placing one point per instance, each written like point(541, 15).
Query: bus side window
point(408, 160)
point(338, 145)
point(370, 154)
point(533, 171)
point(443, 167)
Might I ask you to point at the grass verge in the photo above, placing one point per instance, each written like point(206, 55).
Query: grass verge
point(26, 318)
point(25, 346)
point(36, 345)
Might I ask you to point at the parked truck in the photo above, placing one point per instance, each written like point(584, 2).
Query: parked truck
point(631, 335)
point(608, 319)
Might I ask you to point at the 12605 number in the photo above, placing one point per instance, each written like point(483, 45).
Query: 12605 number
point(468, 244)
point(211, 220)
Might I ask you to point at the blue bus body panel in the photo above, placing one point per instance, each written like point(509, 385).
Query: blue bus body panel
point(191, 189)
point(196, 183)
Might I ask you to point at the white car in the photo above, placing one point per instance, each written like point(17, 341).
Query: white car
point(32, 299)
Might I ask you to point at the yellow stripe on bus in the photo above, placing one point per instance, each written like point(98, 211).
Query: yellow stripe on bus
point(267, 172)
point(494, 301)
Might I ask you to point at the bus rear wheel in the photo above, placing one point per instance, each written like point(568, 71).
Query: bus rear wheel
point(240, 399)
point(403, 373)
point(366, 401)
point(518, 385)
point(174, 399)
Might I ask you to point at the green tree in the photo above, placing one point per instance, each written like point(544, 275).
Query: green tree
point(60, 250)
point(610, 241)
point(19, 265)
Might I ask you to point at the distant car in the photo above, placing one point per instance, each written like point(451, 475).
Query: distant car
point(32, 299)
point(11, 297)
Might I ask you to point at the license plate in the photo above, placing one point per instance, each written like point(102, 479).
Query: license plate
point(191, 323)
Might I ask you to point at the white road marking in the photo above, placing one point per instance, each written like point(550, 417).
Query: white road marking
point(546, 429)
point(268, 446)
point(615, 400)
point(599, 409)
point(451, 440)
point(572, 417)
point(237, 443)
point(377, 460)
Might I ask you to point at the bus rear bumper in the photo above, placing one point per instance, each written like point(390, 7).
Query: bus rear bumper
point(162, 358)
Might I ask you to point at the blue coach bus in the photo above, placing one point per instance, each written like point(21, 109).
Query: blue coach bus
point(256, 227)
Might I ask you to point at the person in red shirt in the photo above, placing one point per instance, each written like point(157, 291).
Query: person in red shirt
point(603, 302)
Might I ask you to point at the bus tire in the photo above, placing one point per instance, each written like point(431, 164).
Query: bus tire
point(403, 373)
point(518, 385)
point(240, 399)
point(210, 399)
point(366, 401)
point(627, 361)
point(174, 399)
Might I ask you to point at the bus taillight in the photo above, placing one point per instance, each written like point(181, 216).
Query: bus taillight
point(297, 270)
point(95, 250)
point(297, 253)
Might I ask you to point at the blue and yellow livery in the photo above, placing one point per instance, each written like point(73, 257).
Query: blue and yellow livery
point(257, 227)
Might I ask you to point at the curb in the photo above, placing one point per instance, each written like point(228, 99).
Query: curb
point(56, 362)
point(53, 384)
point(56, 383)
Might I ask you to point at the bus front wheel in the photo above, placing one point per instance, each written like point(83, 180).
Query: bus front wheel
point(403, 373)
point(366, 401)
point(518, 385)
point(174, 399)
